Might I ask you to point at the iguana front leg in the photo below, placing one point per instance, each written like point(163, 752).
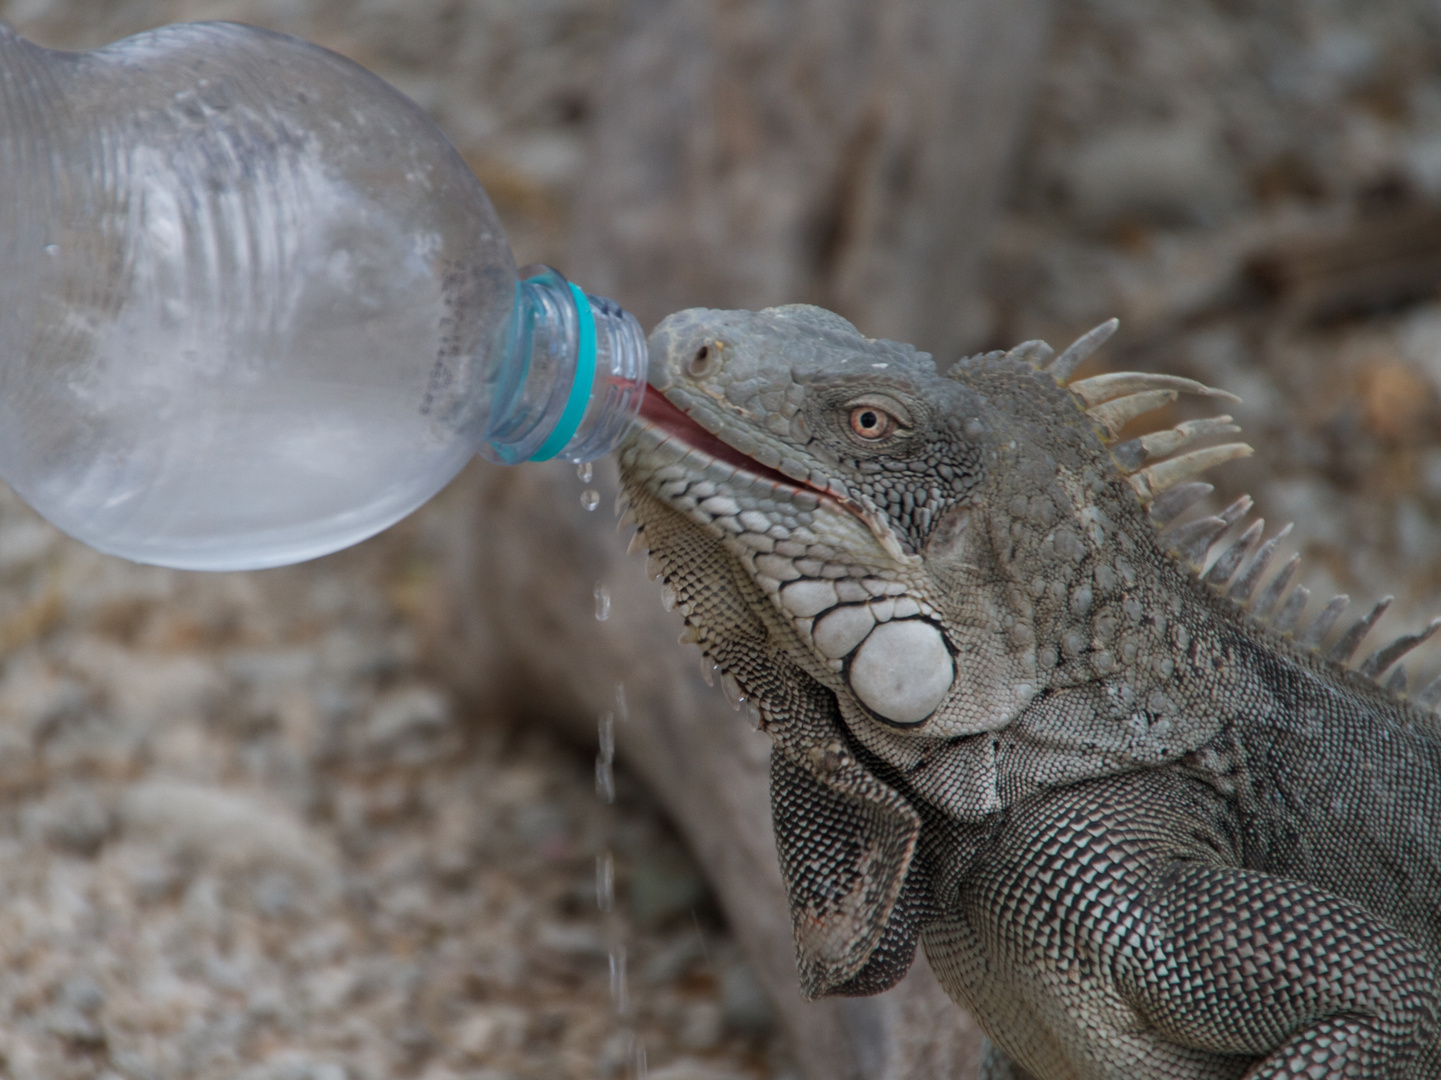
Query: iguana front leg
point(1240, 962)
point(1104, 924)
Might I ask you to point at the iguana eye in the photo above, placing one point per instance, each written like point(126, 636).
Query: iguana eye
point(871, 423)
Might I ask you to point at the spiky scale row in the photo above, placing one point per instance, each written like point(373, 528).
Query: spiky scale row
point(1168, 485)
point(1430, 697)
point(1191, 541)
point(1224, 568)
point(1291, 610)
point(1347, 644)
point(1246, 583)
point(1172, 504)
point(1387, 655)
point(1063, 366)
point(1114, 415)
point(1117, 384)
point(1276, 588)
point(1154, 479)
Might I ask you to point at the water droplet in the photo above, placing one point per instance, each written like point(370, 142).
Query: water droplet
point(617, 978)
point(52, 249)
point(707, 669)
point(606, 731)
point(604, 881)
point(638, 1065)
point(754, 714)
point(602, 602)
point(667, 597)
point(604, 780)
point(622, 709)
point(586, 471)
point(590, 498)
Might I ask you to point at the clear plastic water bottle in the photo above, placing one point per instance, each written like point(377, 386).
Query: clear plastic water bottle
point(254, 307)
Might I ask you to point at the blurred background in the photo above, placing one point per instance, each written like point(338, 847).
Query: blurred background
point(339, 821)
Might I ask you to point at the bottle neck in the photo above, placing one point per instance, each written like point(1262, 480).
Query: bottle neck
point(570, 377)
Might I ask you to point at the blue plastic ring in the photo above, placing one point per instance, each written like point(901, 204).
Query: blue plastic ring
point(580, 387)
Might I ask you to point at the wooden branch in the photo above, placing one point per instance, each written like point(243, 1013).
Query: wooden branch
point(1375, 261)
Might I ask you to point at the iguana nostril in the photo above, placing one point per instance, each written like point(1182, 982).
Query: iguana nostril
point(704, 361)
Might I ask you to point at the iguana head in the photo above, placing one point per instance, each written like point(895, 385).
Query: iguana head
point(909, 529)
point(843, 476)
point(892, 563)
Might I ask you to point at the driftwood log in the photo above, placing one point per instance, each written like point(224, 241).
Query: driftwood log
point(748, 153)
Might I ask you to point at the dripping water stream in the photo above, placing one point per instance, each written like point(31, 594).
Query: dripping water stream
point(634, 1047)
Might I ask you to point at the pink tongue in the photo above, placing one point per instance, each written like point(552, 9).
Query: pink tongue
point(656, 410)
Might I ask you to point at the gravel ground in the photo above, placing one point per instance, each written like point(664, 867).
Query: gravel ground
point(243, 832)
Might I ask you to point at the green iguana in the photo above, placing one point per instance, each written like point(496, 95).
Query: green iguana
point(1144, 824)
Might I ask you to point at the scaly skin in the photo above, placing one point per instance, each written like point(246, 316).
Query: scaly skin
point(1140, 832)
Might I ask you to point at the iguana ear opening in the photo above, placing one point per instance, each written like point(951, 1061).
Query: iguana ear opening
point(846, 841)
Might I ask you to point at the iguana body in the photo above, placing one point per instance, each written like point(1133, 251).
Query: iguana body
point(1141, 832)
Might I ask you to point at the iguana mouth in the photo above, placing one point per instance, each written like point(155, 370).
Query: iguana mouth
point(659, 412)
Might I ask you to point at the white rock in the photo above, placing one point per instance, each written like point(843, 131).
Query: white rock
point(146, 689)
point(491, 1030)
point(228, 828)
point(701, 1026)
point(412, 712)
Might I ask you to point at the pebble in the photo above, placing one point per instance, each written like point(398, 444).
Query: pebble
point(407, 723)
point(73, 820)
point(225, 828)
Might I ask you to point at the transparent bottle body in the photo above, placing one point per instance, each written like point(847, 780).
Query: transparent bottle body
point(253, 305)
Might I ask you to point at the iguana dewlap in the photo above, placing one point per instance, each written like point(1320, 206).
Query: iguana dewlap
point(1145, 824)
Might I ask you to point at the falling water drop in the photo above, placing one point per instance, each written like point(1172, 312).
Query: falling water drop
point(604, 881)
point(667, 598)
point(753, 714)
point(638, 1065)
point(602, 602)
point(604, 780)
point(622, 709)
point(605, 730)
point(617, 979)
point(586, 471)
point(707, 669)
point(590, 498)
